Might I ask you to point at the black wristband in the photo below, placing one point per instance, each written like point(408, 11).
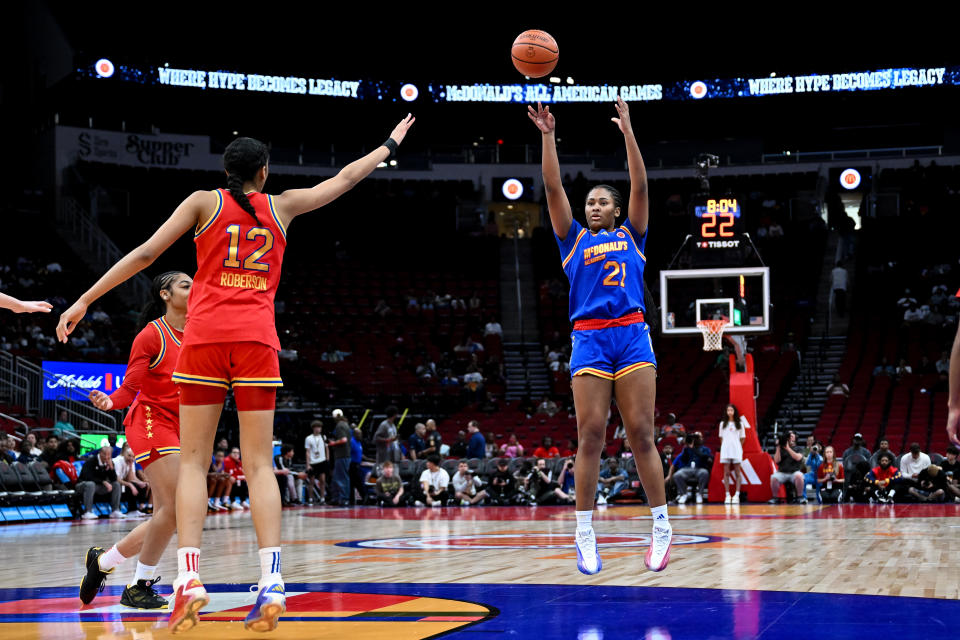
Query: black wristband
point(391, 145)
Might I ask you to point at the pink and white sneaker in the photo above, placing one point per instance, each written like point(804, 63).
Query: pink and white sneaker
point(658, 555)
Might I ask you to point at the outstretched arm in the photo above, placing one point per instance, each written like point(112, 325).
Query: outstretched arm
point(561, 216)
point(197, 205)
point(20, 306)
point(953, 400)
point(639, 205)
point(293, 202)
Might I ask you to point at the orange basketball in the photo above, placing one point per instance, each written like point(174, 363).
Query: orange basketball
point(535, 53)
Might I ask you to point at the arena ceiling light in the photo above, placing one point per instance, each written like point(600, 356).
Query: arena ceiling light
point(409, 92)
point(850, 179)
point(104, 68)
point(512, 189)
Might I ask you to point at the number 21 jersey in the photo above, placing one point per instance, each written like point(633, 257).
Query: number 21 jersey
point(238, 270)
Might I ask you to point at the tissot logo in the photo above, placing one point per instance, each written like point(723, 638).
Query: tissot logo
point(719, 244)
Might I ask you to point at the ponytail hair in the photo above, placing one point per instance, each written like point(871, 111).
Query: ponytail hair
point(242, 159)
point(156, 306)
point(614, 193)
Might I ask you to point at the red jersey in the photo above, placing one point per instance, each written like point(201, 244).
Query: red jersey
point(147, 380)
point(238, 270)
point(832, 467)
point(233, 467)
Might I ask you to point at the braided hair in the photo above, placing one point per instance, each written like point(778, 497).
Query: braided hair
point(242, 159)
point(614, 193)
point(156, 306)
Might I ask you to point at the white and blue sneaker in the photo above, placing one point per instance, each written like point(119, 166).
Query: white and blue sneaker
point(271, 604)
point(588, 557)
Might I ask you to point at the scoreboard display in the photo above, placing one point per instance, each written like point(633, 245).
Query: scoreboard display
point(716, 227)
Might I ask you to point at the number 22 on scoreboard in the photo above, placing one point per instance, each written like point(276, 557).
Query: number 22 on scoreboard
point(710, 222)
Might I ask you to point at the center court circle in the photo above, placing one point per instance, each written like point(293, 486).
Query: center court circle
point(518, 540)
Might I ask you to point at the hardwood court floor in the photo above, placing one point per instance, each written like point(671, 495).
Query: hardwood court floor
point(496, 572)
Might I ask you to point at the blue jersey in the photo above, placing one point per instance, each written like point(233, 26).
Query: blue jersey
point(605, 271)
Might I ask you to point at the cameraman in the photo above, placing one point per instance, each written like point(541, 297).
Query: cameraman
point(814, 459)
point(502, 484)
point(789, 467)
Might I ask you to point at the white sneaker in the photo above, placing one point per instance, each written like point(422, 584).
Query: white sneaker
point(682, 499)
point(117, 514)
point(464, 503)
point(89, 515)
point(417, 503)
point(588, 557)
point(727, 498)
point(658, 555)
point(136, 513)
point(735, 499)
point(246, 503)
point(601, 499)
point(699, 498)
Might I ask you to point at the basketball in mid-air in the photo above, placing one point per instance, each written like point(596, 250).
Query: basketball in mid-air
point(535, 53)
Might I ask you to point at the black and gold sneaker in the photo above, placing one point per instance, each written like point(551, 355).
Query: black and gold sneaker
point(142, 595)
point(96, 577)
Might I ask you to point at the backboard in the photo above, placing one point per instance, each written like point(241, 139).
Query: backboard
point(739, 294)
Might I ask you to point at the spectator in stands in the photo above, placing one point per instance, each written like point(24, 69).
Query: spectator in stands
point(692, 465)
point(318, 456)
point(568, 449)
point(907, 300)
point(290, 481)
point(812, 461)
point(32, 439)
point(884, 368)
point(63, 428)
point(913, 463)
point(789, 467)
point(473, 390)
point(611, 482)
point(434, 482)
point(389, 488)
point(884, 448)
point(234, 466)
point(925, 366)
point(839, 285)
point(903, 369)
point(830, 478)
point(219, 483)
point(7, 454)
point(931, 485)
point(467, 487)
point(666, 459)
point(502, 484)
point(491, 445)
point(25, 454)
point(857, 448)
point(493, 328)
point(418, 441)
point(99, 478)
point(547, 407)
point(672, 428)
point(913, 314)
point(546, 449)
point(459, 447)
point(542, 488)
point(512, 449)
point(385, 437)
point(837, 387)
point(340, 451)
point(116, 450)
point(131, 486)
point(943, 364)
point(477, 445)
point(49, 453)
point(883, 480)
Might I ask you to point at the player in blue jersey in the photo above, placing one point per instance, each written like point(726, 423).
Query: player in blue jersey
point(612, 352)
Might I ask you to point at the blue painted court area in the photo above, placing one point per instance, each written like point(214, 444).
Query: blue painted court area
point(546, 612)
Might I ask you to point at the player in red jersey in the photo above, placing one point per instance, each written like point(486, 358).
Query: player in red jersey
point(152, 428)
point(230, 340)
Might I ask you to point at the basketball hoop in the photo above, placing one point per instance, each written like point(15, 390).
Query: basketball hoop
point(712, 331)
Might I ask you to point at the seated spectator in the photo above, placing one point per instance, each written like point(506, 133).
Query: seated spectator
point(234, 466)
point(290, 481)
point(943, 364)
point(132, 488)
point(913, 314)
point(884, 448)
point(477, 445)
point(931, 485)
point(907, 300)
point(219, 484)
point(512, 449)
point(99, 478)
point(466, 487)
point(672, 428)
point(789, 467)
point(611, 482)
point(63, 428)
point(830, 478)
point(434, 483)
point(884, 368)
point(389, 488)
point(459, 448)
point(925, 366)
point(903, 369)
point(542, 488)
point(568, 449)
point(26, 455)
point(857, 448)
point(6, 454)
point(547, 407)
point(502, 485)
point(490, 445)
point(913, 463)
point(693, 464)
point(546, 449)
point(473, 390)
point(493, 328)
point(951, 471)
point(883, 480)
point(31, 438)
point(837, 388)
point(566, 480)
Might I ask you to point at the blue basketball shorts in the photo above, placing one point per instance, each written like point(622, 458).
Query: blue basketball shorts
point(613, 352)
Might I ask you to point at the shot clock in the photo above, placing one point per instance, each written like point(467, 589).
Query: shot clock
point(716, 227)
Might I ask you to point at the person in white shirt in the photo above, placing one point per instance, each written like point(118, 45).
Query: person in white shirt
point(839, 285)
point(466, 486)
point(433, 484)
point(125, 466)
point(913, 463)
point(733, 431)
point(493, 328)
point(317, 456)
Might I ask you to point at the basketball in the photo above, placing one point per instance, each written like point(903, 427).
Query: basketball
point(535, 53)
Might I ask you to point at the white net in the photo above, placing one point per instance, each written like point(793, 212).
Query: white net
point(712, 331)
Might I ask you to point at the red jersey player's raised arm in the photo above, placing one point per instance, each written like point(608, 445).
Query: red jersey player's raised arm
point(293, 202)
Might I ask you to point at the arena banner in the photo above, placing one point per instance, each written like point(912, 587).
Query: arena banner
point(161, 151)
point(80, 378)
point(555, 90)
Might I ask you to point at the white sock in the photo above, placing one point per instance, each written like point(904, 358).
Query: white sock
point(188, 562)
point(584, 520)
point(144, 572)
point(111, 559)
point(270, 566)
point(660, 515)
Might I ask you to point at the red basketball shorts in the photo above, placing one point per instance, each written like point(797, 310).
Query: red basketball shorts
point(206, 371)
point(152, 433)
